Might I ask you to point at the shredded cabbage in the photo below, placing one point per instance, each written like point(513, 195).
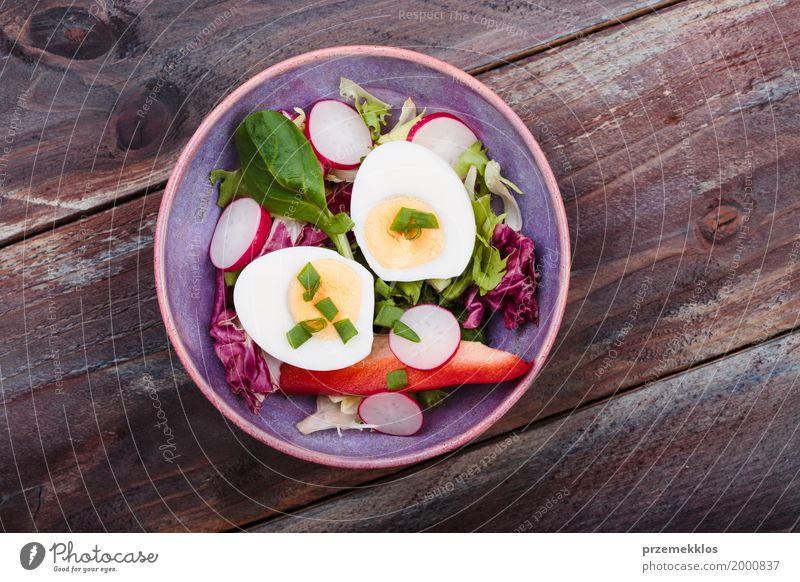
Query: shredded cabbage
point(348, 404)
point(300, 119)
point(329, 414)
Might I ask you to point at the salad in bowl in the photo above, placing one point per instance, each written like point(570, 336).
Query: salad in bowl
point(354, 272)
point(357, 262)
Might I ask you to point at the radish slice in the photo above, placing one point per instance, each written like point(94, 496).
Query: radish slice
point(391, 413)
point(240, 234)
point(439, 334)
point(338, 135)
point(444, 134)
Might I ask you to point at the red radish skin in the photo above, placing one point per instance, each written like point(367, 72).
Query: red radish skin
point(443, 133)
point(439, 333)
point(392, 413)
point(240, 234)
point(349, 130)
point(473, 363)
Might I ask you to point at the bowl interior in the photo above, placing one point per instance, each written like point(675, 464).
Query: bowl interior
point(187, 282)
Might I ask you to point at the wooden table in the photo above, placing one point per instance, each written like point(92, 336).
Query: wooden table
point(670, 401)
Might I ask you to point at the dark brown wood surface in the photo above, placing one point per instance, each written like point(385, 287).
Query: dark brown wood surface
point(674, 137)
point(75, 74)
point(728, 430)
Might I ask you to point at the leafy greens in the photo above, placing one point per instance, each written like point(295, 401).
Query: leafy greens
point(280, 171)
point(372, 110)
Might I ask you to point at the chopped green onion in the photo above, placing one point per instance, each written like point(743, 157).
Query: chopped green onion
point(397, 379)
point(383, 289)
point(309, 279)
point(327, 308)
point(412, 233)
point(408, 217)
point(313, 325)
point(411, 222)
point(345, 329)
point(309, 294)
point(387, 315)
point(404, 331)
point(401, 220)
point(424, 220)
point(297, 336)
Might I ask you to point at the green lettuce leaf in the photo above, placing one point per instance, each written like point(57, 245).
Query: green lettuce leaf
point(231, 185)
point(372, 110)
point(408, 118)
point(474, 155)
point(486, 267)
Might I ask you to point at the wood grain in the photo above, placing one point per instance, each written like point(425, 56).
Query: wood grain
point(75, 75)
point(671, 267)
point(714, 449)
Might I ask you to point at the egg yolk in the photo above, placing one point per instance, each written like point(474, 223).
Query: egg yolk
point(393, 250)
point(338, 282)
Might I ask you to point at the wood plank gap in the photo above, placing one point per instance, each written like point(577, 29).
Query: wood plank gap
point(69, 219)
point(589, 30)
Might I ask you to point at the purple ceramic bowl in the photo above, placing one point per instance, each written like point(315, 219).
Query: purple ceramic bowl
point(184, 274)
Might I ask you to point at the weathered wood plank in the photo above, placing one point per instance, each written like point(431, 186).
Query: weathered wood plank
point(675, 159)
point(633, 217)
point(73, 139)
point(714, 449)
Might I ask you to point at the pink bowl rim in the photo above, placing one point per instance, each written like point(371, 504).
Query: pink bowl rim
point(177, 176)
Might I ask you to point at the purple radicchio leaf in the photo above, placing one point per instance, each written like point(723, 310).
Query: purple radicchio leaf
point(245, 367)
point(474, 308)
point(515, 295)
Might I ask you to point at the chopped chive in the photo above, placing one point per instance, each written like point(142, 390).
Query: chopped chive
point(397, 379)
point(297, 336)
point(404, 331)
point(346, 330)
point(327, 308)
point(383, 289)
point(410, 222)
point(313, 325)
point(412, 233)
point(387, 315)
point(309, 279)
point(402, 220)
point(309, 295)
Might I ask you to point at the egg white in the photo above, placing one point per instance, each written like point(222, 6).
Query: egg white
point(402, 168)
point(261, 301)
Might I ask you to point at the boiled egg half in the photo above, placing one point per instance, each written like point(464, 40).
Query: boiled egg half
point(272, 299)
point(398, 180)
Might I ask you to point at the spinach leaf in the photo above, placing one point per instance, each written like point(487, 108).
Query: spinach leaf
point(281, 172)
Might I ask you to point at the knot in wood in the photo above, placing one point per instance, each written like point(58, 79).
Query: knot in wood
point(71, 32)
point(721, 222)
